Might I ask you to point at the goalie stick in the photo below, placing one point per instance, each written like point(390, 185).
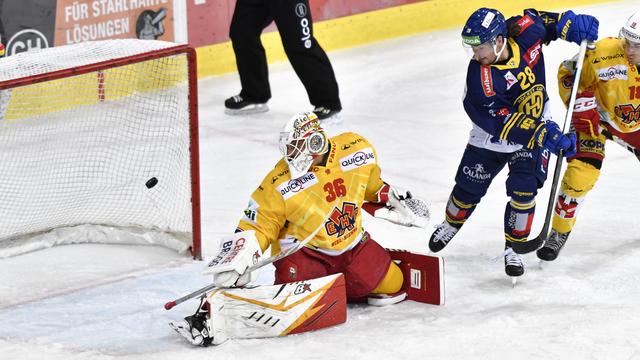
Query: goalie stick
point(299, 245)
point(534, 244)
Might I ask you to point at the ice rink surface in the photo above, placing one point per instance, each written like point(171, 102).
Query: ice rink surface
point(404, 95)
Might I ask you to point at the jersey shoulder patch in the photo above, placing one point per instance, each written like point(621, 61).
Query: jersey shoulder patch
point(277, 175)
point(352, 151)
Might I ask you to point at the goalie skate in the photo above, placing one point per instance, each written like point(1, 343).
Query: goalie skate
point(194, 329)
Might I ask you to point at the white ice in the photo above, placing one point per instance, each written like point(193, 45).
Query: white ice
point(404, 95)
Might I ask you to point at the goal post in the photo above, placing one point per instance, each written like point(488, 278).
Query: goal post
point(99, 143)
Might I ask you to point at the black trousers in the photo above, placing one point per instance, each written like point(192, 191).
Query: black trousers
point(309, 61)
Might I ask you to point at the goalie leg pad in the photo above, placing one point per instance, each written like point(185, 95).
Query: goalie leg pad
point(279, 310)
point(423, 276)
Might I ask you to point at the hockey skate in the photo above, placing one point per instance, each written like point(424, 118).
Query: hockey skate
point(236, 105)
point(442, 236)
point(328, 116)
point(551, 248)
point(194, 328)
point(513, 264)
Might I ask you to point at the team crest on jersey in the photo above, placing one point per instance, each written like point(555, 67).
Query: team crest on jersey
point(619, 72)
point(251, 212)
point(342, 220)
point(533, 54)
point(296, 186)
point(531, 102)
point(629, 114)
point(357, 159)
point(487, 81)
point(510, 78)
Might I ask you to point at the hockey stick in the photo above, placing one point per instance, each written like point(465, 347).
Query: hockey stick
point(620, 142)
point(534, 244)
point(169, 305)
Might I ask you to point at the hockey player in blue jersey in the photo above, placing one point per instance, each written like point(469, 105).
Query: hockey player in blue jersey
point(506, 99)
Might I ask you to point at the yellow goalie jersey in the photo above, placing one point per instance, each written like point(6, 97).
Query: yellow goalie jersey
point(329, 197)
point(615, 81)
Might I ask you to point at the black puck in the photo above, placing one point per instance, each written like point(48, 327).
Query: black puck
point(151, 182)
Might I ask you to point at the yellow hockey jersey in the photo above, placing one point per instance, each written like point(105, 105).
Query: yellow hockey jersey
point(282, 210)
point(615, 81)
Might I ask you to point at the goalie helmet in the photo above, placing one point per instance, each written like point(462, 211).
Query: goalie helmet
point(301, 141)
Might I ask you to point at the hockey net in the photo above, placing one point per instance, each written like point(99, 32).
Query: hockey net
point(99, 144)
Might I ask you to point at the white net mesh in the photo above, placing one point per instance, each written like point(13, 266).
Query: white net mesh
point(82, 149)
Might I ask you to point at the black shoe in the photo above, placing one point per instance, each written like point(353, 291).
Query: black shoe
point(236, 105)
point(513, 264)
point(325, 113)
point(552, 246)
point(442, 236)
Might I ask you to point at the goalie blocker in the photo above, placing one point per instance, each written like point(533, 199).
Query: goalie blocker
point(291, 308)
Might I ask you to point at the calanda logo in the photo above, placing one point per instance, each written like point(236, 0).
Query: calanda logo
point(476, 172)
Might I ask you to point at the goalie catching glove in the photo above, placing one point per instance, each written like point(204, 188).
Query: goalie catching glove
point(400, 207)
point(237, 252)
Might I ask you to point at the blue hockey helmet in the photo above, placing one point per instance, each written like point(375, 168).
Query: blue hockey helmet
point(482, 26)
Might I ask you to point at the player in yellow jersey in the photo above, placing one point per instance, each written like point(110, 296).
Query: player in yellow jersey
point(322, 183)
point(316, 193)
point(607, 107)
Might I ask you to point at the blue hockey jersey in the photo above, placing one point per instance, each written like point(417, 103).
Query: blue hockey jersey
point(507, 101)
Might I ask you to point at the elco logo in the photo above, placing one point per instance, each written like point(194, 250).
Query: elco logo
point(26, 40)
point(306, 33)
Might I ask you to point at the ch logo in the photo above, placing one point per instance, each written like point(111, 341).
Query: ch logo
point(342, 220)
point(26, 40)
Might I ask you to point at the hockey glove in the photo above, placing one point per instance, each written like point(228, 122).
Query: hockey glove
point(586, 118)
point(550, 136)
point(236, 253)
point(400, 207)
point(575, 28)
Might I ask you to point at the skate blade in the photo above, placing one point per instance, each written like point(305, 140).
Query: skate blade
point(248, 110)
point(514, 281)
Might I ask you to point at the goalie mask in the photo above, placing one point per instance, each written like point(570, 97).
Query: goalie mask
point(301, 141)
